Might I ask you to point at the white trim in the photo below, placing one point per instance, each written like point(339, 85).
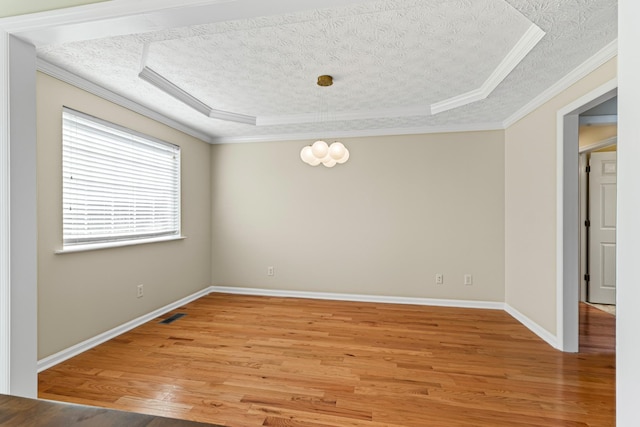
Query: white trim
point(487, 305)
point(598, 145)
point(566, 332)
point(588, 66)
point(88, 344)
point(75, 350)
point(568, 341)
point(84, 84)
point(493, 305)
point(532, 326)
point(23, 253)
point(608, 119)
point(527, 42)
point(37, 27)
point(163, 84)
point(120, 17)
point(5, 227)
point(47, 27)
point(230, 116)
point(581, 71)
point(474, 127)
point(92, 12)
point(420, 110)
point(108, 245)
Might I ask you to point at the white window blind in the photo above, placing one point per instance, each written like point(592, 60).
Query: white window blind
point(118, 185)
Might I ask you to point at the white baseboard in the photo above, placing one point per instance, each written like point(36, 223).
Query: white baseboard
point(541, 332)
point(70, 352)
point(528, 323)
point(359, 298)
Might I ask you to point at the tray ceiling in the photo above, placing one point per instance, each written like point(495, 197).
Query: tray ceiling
point(405, 65)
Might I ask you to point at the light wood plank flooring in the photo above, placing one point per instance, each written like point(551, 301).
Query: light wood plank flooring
point(261, 361)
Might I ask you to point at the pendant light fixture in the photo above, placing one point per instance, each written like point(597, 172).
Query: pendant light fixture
point(320, 151)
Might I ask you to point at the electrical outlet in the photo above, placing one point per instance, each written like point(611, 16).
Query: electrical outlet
point(439, 279)
point(468, 279)
point(140, 291)
point(270, 271)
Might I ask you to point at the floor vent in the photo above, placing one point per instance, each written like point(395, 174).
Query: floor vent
point(173, 318)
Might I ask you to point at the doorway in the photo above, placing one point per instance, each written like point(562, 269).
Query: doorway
point(569, 224)
point(598, 196)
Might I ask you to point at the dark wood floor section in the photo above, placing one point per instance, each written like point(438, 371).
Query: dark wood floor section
point(20, 412)
point(261, 361)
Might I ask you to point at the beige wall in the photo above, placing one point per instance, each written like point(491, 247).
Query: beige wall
point(83, 294)
point(610, 148)
point(401, 210)
point(588, 135)
point(530, 210)
point(20, 7)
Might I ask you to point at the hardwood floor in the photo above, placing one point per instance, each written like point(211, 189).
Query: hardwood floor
point(22, 412)
point(261, 361)
point(597, 330)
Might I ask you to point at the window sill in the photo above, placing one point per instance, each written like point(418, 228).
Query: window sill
point(98, 246)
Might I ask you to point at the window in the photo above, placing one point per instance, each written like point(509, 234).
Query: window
point(118, 186)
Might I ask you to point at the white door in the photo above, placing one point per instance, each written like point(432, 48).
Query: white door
point(602, 231)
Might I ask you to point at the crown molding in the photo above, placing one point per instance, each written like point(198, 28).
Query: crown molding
point(598, 145)
point(159, 82)
point(28, 25)
point(473, 127)
point(162, 83)
point(119, 17)
point(423, 110)
point(84, 84)
point(527, 42)
point(602, 56)
point(101, 13)
point(581, 71)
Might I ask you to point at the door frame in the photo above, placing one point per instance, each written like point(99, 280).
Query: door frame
point(568, 214)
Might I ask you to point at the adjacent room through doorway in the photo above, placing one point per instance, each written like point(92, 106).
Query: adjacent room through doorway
point(597, 141)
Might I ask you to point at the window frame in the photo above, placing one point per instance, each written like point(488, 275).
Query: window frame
point(75, 244)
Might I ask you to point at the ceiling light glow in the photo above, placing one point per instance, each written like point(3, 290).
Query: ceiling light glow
point(321, 152)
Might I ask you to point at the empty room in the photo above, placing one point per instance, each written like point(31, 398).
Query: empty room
point(348, 213)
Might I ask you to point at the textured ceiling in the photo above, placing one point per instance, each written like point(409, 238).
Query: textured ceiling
point(392, 62)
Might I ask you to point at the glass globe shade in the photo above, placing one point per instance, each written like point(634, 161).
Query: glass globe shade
point(329, 163)
point(337, 150)
point(307, 155)
point(345, 157)
point(320, 149)
point(314, 162)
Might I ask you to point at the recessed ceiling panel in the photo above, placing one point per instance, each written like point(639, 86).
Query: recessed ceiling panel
point(385, 54)
point(392, 60)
